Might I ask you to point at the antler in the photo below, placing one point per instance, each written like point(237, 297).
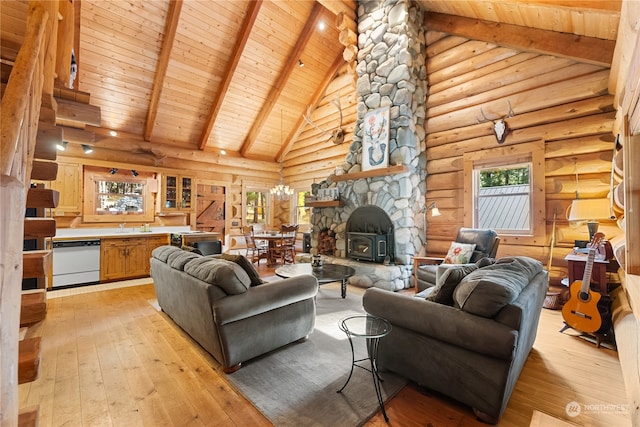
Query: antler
point(307, 118)
point(336, 102)
point(486, 119)
point(337, 135)
point(511, 113)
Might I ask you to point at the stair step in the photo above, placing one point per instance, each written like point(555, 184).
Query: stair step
point(33, 307)
point(36, 263)
point(46, 140)
point(28, 417)
point(42, 198)
point(28, 359)
point(44, 171)
point(38, 228)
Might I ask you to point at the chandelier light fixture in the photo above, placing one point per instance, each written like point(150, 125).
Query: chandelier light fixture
point(281, 191)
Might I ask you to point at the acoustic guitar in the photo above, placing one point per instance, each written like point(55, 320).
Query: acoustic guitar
point(581, 310)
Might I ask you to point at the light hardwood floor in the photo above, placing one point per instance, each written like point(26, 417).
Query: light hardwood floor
point(110, 358)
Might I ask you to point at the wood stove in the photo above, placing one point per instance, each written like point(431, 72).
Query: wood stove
point(370, 235)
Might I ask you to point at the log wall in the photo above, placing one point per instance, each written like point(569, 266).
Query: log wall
point(313, 157)
point(563, 102)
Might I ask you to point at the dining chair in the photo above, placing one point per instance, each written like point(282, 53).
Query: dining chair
point(254, 251)
point(286, 247)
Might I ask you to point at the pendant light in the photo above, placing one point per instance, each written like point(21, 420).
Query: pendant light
point(281, 191)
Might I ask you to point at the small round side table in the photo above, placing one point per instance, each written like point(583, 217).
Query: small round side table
point(372, 328)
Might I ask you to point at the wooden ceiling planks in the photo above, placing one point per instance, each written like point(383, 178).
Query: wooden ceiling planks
point(171, 24)
point(107, 63)
point(192, 76)
point(243, 36)
point(121, 45)
point(281, 81)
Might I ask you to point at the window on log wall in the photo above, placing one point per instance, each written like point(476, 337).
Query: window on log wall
point(505, 191)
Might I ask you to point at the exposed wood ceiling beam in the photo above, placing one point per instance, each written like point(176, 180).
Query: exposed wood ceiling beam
point(317, 96)
point(280, 84)
point(132, 143)
point(171, 24)
point(580, 48)
point(245, 31)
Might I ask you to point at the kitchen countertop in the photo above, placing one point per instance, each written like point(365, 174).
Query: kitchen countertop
point(97, 233)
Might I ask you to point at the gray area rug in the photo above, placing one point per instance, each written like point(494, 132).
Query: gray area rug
point(296, 385)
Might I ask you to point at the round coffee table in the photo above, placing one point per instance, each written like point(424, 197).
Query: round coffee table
point(330, 273)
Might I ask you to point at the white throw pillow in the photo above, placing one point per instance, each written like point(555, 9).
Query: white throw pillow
point(459, 253)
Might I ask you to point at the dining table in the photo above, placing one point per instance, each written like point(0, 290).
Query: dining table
point(272, 239)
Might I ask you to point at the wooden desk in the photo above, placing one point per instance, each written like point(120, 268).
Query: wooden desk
point(576, 264)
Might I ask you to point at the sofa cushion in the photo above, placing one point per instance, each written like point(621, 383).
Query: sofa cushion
point(459, 253)
point(487, 290)
point(162, 252)
point(447, 281)
point(247, 266)
point(191, 249)
point(178, 259)
point(227, 275)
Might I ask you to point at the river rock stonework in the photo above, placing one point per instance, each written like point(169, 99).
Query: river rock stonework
point(391, 71)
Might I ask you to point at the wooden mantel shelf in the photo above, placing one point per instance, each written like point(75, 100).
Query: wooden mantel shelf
point(392, 170)
point(324, 203)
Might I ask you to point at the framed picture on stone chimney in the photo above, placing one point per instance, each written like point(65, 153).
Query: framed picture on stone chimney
point(375, 143)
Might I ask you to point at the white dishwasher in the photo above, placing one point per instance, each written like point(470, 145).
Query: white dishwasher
point(76, 262)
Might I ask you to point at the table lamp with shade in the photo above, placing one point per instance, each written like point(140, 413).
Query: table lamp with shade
point(590, 210)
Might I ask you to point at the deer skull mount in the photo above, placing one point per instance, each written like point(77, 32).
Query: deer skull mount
point(500, 126)
point(337, 135)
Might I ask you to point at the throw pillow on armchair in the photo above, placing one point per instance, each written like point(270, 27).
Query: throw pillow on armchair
point(459, 253)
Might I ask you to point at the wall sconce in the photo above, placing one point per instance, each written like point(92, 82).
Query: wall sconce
point(590, 210)
point(434, 209)
point(62, 145)
point(113, 171)
point(134, 172)
point(87, 149)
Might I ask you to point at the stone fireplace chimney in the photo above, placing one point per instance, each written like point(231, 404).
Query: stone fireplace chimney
point(391, 72)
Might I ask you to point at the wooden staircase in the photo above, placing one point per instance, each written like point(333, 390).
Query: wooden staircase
point(36, 264)
point(37, 66)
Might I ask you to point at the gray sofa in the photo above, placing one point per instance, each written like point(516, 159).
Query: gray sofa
point(469, 336)
point(227, 309)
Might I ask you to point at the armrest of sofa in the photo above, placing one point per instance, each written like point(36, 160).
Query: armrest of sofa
point(442, 322)
point(263, 298)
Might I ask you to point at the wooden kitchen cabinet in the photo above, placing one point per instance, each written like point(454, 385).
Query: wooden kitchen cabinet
point(152, 243)
point(123, 258)
point(69, 184)
point(178, 193)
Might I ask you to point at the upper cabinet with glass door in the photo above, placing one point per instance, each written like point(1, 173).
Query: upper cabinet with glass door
point(177, 193)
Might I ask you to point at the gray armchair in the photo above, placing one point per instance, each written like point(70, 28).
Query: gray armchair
point(425, 268)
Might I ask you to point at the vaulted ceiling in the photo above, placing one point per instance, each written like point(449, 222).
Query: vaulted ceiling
point(227, 75)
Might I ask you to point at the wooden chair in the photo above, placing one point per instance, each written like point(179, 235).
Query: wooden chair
point(286, 248)
point(254, 251)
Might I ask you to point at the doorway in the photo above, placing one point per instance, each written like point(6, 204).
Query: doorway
point(210, 208)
